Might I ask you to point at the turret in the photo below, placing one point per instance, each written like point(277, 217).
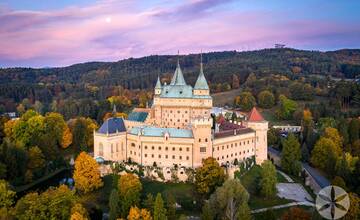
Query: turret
point(158, 87)
point(201, 87)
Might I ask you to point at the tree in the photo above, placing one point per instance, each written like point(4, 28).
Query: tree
point(354, 209)
point(246, 101)
point(296, 213)
point(36, 159)
point(273, 136)
point(209, 176)
point(338, 181)
point(333, 134)
point(38, 106)
point(78, 212)
point(305, 155)
point(149, 202)
point(354, 129)
point(114, 203)
point(206, 213)
point(55, 126)
point(266, 99)
point(54, 203)
point(286, 107)
point(7, 196)
point(86, 174)
point(291, 155)
point(235, 82)
point(129, 191)
point(159, 209)
point(66, 139)
point(136, 214)
point(325, 153)
point(170, 206)
point(229, 201)
point(268, 179)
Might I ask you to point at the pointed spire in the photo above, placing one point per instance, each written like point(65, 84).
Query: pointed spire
point(158, 83)
point(254, 115)
point(178, 78)
point(201, 80)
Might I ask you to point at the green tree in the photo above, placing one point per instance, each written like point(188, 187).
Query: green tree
point(7, 196)
point(286, 107)
point(229, 201)
point(273, 137)
point(149, 202)
point(325, 153)
point(266, 99)
point(354, 128)
point(170, 206)
point(206, 212)
point(114, 205)
point(268, 179)
point(291, 155)
point(159, 209)
point(129, 191)
point(246, 101)
point(209, 176)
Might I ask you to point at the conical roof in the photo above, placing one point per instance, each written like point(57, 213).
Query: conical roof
point(254, 115)
point(178, 78)
point(158, 83)
point(201, 81)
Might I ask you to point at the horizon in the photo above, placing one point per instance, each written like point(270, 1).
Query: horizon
point(180, 54)
point(63, 33)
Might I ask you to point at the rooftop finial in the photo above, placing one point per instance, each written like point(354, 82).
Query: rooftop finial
point(178, 63)
point(201, 63)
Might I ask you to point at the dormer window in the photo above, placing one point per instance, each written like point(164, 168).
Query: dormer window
point(180, 92)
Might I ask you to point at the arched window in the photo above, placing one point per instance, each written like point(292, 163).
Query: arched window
point(112, 148)
point(101, 149)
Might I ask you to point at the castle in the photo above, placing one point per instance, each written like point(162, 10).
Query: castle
point(178, 129)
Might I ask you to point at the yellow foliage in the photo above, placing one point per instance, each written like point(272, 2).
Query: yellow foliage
point(66, 138)
point(79, 212)
point(137, 214)
point(333, 134)
point(86, 174)
point(129, 182)
point(118, 115)
point(8, 127)
point(77, 216)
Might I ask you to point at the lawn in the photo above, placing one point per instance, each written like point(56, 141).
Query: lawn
point(249, 181)
point(183, 193)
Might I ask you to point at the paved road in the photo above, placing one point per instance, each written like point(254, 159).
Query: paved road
point(284, 206)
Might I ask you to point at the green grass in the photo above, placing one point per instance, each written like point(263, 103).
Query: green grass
point(184, 194)
point(249, 181)
point(281, 178)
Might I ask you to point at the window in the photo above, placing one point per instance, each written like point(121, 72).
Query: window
point(132, 144)
point(173, 157)
point(180, 157)
point(159, 148)
point(112, 150)
point(117, 147)
point(173, 148)
point(180, 149)
point(130, 152)
point(166, 148)
point(199, 139)
point(152, 148)
point(145, 147)
point(202, 149)
point(101, 149)
point(145, 155)
point(187, 157)
point(166, 156)
point(187, 149)
point(159, 155)
point(152, 155)
point(206, 140)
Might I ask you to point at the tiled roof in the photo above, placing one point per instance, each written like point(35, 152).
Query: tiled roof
point(112, 125)
point(160, 132)
point(254, 115)
point(137, 116)
point(201, 81)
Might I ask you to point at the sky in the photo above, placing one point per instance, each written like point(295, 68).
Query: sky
point(52, 33)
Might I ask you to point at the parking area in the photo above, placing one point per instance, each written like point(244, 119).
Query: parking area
point(293, 191)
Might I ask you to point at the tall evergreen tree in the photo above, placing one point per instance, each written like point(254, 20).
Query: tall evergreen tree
point(268, 179)
point(291, 155)
point(114, 205)
point(159, 209)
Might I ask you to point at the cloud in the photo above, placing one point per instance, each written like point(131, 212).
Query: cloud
point(79, 34)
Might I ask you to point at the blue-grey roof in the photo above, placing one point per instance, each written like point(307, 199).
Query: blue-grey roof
point(137, 116)
point(274, 151)
point(112, 125)
point(320, 179)
point(201, 81)
point(160, 132)
point(178, 78)
point(158, 83)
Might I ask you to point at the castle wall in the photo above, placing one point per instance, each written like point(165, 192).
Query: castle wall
point(110, 147)
point(261, 129)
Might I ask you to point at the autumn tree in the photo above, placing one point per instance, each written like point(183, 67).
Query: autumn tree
point(36, 161)
point(246, 101)
point(268, 179)
point(159, 209)
point(67, 137)
point(296, 213)
point(114, 205)
point(139, 214)
point(86, 174)
point(235, 82)
point(229, 201)
point(78, 212)
point(354, 209)
point(325, 154)
point(129, 192)
point(266, 99)
point(209, 176)
point(291, 155)
point(207, 212)
point(54, 203)
point(7, 196)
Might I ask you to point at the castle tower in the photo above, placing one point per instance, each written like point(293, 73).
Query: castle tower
point(158, 87)
point(201, 128)
point(201, 87)
point(257, 123)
